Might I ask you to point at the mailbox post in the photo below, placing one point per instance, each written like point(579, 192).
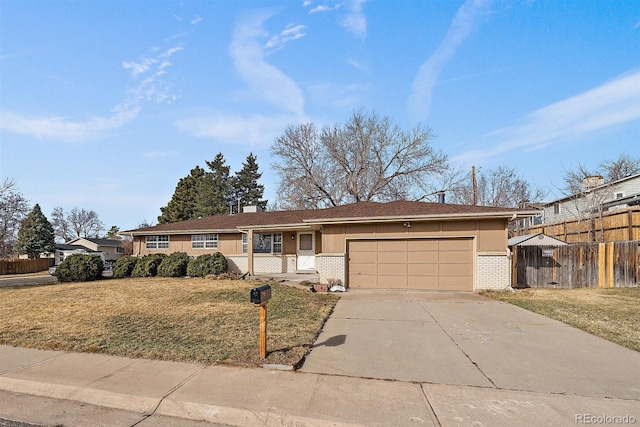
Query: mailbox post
point(260, 296)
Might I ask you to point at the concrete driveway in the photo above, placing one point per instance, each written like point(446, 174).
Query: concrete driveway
point(464, 339)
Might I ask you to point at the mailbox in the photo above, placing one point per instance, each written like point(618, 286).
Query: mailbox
point(261, 294)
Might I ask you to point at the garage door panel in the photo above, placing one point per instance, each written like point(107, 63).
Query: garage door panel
point(363, 257)
point(422, 269)
point(399, 257)
point(362, 245)
point(392, 269)
point(422, 282)
point(422, 245)
point(422, 256)
point(392, 282)
point(392, 246)
point(455, 270)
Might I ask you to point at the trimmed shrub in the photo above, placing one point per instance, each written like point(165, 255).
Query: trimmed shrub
point(175, 265)
point(147, 266)
point(80, 268)
point(123, 267)
point(207, 264)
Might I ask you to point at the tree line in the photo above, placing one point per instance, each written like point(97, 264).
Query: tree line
point(26, 230)
point(214, 191)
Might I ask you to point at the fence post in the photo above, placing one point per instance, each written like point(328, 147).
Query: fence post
point(601, 264)
point(610, 268)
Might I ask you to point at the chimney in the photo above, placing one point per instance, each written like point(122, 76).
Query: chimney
point(440, 196)
point(253, 208)
point(593, 181)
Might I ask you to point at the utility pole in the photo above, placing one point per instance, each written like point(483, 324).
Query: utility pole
point(475, 185)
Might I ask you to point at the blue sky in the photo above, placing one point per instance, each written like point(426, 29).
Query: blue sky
point(106, 105)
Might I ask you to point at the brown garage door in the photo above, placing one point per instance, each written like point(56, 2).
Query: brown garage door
point(439, 264)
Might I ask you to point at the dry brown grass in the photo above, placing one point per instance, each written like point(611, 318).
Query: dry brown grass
point(612, 314)
point(183, 319)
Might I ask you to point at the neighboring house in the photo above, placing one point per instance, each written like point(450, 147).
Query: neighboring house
point(595, 197)
point(107, 249)
point(63, 251)
point(407, 245)
point(111, 248)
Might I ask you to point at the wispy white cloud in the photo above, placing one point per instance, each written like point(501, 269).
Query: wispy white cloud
point(61, 128)
point(325, 8)
point(147, 73)
point(357, 65)
point(292, 32)
point(356, 21)
point(611, 104)
point(467, 19)
point(265, 80)
point(307, 3)
point(255, 130)
point(196, 20)
point(171, 51)
point(139, 67)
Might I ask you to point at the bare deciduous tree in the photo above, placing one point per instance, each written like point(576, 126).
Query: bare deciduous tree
point(366, 159)
point(78, 223)
point(610, 170)
point(621, 167)
point(13, 209)
point(497, 187)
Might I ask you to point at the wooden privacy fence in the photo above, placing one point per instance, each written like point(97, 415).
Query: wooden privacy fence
point(21, 266)
point(584, 265)
point(611, 226)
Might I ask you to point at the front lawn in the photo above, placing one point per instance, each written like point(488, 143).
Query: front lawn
point(612, 314)
point(183, 319)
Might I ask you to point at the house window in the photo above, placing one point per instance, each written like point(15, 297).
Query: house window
point(306, 242)
point(277, 243)
point(619, 196)
point(556, 208)
point(157, 242)
point(267, 243)
point(244, 243)
point(204, 241)
point(119, 250)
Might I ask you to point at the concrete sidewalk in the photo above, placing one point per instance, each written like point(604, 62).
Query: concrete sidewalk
point(147, 392)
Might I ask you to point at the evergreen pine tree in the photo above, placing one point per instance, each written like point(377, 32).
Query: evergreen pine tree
point(36, 235)
point(245, 185)
point(184, 203)
point(216, 194)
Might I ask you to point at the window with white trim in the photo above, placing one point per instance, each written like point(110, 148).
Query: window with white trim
point(556, 208)
point(265, 243)
point(619, 195)
point(244, 243)
point(204, 241)
point(157, 242)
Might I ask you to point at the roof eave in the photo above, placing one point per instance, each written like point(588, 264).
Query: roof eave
point(429, 217)
point(172, 232)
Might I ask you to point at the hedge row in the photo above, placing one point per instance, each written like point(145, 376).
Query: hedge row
point(177, 264)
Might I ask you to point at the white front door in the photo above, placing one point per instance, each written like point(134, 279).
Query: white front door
point(306, 254)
